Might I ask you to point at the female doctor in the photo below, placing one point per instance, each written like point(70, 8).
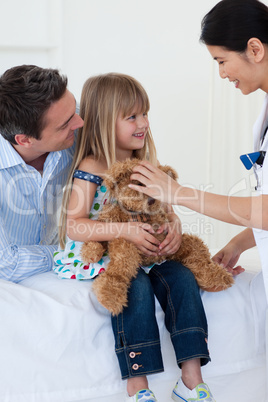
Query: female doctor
point(236, 35)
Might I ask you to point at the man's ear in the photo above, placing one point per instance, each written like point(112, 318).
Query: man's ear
point(255, 49)
point(23, 140)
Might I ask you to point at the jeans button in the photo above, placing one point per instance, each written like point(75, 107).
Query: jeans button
point(135, 366)
point(132, 355)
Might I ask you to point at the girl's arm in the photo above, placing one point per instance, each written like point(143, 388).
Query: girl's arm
point(81, 228)
point(251, 212)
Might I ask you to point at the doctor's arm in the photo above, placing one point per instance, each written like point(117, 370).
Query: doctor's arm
point(229, 255)
point(20, 262)
point(250, 212)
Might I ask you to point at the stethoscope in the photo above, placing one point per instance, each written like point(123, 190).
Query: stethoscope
point(255, 159)
point(249, 160)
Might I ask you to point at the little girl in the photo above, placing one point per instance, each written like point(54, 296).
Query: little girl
point(114, 108)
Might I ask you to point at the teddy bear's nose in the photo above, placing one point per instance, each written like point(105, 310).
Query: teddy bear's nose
point(151, 201)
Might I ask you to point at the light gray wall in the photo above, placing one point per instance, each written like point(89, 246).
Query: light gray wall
point(200, 123)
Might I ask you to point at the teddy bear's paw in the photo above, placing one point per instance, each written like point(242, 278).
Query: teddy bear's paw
point(216, 288)
point(111, 293)
point(116, 309)
point(218, 281)
point(91, 251)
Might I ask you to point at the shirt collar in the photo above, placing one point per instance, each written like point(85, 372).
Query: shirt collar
point(8, 155)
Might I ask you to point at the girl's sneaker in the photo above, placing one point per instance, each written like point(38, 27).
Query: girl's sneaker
point(144, 395)
point(200, 393)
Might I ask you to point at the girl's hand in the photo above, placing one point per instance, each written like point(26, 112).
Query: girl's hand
point(173, 239)
point(142, 235)
point(228, 257)
point(156, 184)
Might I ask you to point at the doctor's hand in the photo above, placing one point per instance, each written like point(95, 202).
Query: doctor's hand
point(156, 184)
point(227, 257)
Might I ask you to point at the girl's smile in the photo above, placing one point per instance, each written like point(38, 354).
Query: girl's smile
point(139, 135)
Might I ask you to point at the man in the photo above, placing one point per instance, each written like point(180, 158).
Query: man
point(37, 124)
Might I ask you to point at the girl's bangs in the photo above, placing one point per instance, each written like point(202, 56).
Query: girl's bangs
point(135, 102)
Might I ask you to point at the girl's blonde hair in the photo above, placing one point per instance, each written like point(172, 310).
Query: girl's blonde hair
point(103, 98)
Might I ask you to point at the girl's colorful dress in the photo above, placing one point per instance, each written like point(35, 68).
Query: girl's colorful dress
point(67, 262)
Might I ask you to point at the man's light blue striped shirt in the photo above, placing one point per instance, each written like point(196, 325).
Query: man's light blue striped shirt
point(30, 203)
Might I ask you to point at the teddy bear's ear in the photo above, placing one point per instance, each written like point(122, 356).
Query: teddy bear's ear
point(117, 172)
point(169, 170)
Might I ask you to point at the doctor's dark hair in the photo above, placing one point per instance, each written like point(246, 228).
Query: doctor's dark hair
point(231, 23)
point(26, 93)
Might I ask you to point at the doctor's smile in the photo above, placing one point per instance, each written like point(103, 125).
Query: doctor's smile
point(235, 82)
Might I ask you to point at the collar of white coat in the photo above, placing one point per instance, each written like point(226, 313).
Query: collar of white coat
point(260, 126)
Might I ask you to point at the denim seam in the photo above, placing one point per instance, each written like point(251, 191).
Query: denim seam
point(191, 329)
point(145, 373)
point(138, 345)
point(196, 356)
point(121, 333)
point(162, 279)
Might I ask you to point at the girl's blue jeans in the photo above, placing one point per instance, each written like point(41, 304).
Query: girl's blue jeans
point(137, 342)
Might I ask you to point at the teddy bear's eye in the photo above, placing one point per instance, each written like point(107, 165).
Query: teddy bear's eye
point(151, 201)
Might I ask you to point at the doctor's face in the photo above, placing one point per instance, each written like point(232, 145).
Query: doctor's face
point(237, 68)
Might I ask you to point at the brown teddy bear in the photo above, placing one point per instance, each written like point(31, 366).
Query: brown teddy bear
point(124, 205)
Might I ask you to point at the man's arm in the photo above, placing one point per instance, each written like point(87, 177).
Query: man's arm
point(20, 262)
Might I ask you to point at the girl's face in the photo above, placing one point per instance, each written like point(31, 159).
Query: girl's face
point(131, 131)
point(239, 68)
